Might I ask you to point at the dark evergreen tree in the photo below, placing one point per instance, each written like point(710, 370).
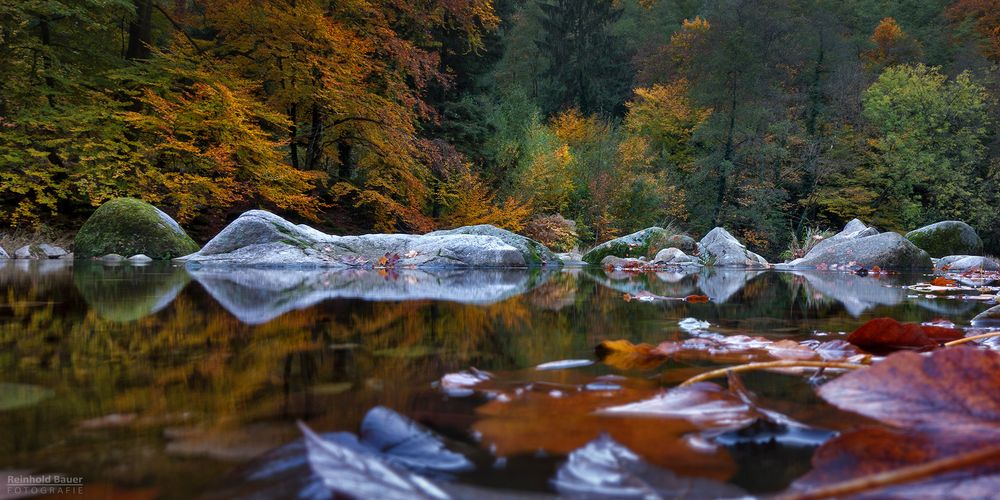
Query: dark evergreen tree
point(588, 68)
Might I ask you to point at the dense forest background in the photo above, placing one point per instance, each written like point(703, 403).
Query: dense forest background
point(594, 118)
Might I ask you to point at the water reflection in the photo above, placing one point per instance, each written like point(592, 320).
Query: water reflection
point(148, 378)
point(256, 296)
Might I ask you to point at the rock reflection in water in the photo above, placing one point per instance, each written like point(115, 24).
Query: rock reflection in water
point(856, 293)
point(256, 296)
point(124, 293)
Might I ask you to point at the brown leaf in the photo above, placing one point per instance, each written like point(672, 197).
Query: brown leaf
point(697, 298)
point(953, 388)
point(943, 404)
point(882, 335)
point(942, 281)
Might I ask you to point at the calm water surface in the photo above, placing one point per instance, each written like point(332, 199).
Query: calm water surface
point(158, 382)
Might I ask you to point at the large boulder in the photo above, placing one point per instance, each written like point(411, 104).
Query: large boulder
point(535, 253)
point(950, 237)
point(261, 239)
point(722, 249)
point(966, 263)
point(886, 250)
point(645, 243)
point(128, 226)
point(989, 318)
point(675, 257)
point(852, 231)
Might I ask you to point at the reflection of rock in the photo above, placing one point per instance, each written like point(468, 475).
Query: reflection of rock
point(257, 296)
point(667, 284)
point(947, 307)
point(263, 240)
point(856, 293)
point(721, 284)
point(127, 293)
point(556, 293)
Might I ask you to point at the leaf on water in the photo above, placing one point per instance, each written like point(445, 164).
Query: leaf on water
point(624, 355)
point(942, 281)
point(606, 469)
point(942, 405)
point(704, 404)
point(697, 298)
point(882, 335)
point(558, 418)
point(407, 443)
point(359, 474)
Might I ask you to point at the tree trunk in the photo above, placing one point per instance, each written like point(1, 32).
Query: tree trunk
point(314, 152)
point(344, 155)
point(293, 135)
point(140, 31)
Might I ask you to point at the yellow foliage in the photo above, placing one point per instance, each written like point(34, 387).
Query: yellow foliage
point(472, 203)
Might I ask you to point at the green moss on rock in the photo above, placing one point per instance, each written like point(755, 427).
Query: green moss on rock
point(947, 238)
point(128, 226)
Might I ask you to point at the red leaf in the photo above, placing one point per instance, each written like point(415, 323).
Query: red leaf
point(882, 335)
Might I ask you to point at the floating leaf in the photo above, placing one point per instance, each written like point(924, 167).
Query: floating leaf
point(886, 334)
point(697, 298)
point(606, 469)
point(943, 404)
point(942, 281)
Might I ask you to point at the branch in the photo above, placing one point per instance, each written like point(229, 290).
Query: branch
point(178, 27)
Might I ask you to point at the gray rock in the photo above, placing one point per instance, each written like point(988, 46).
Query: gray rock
point(950, 237)
point(618, 263)
point(261, 239)
point(140, 259)
point(674, 256)
point(966, 263)
point(888, 251)
point(853, 230)
point(572, 259)
point(724, 250)
point(989, 318)
point(645, 243)
point(112, 258)
point(535, 253)
point(68, 256)
point(51, 251)
point(4, 254)
point(24, 253)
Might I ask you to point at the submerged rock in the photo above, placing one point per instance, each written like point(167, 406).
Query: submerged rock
point(950, 237)
point(888, 251)
point(645, 243)
point(128, 226)
point(989, 318)
point(261, 239)
point(722, 249)
point(966, 263)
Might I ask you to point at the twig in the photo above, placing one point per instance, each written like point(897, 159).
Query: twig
point(898, 476)
point(749, 367)
point(970, 339)
point(180, 28)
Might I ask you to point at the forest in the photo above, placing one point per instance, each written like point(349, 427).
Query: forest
point(579, 120)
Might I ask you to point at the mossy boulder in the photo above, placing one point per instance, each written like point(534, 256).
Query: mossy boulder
point(950, 237)
point(645, 244)
point(128, 226)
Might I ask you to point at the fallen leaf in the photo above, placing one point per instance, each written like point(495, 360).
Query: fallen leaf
point(697, 298)
point(942, 281)
point(882, 335)
point(941, 405)
point(606, 469)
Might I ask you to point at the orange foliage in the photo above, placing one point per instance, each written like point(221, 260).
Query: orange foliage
point(985, 17)
point(892, 45)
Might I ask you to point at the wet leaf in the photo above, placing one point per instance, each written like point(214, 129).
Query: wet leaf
point(942, 404)
point(356, 473)
point(882, 335)
point(548, 417)
point(697, 298)
point(606, 469)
